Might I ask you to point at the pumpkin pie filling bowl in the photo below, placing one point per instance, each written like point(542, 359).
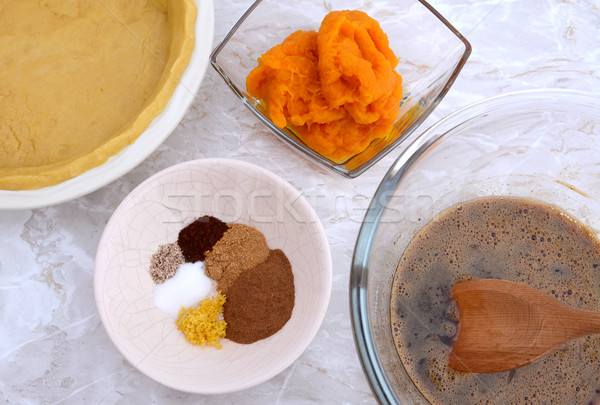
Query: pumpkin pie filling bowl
point(88, 89)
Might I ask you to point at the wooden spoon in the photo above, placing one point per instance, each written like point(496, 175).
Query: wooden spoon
point(505, 325)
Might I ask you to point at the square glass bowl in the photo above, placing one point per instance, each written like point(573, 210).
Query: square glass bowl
point(431, 54)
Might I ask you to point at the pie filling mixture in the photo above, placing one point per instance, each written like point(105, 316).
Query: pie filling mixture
point(517, 239)
point(82, 79)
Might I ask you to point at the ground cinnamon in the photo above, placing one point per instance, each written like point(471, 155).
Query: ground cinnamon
point(260, 301)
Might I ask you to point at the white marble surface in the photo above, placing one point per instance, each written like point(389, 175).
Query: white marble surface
point(53, 348)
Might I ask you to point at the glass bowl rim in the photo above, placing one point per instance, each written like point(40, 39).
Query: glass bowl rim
point(298, 145)
point(358, 286)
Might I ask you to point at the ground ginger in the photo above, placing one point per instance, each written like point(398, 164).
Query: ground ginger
point(336, 89)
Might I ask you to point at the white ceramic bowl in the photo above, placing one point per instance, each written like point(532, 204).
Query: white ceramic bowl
point(160, 128)
point(153, 214)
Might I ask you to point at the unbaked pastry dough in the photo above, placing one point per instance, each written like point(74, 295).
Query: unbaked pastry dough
point(82, 79)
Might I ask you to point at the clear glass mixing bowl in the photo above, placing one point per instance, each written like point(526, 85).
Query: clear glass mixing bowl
point(543, 144)
point(431, 51)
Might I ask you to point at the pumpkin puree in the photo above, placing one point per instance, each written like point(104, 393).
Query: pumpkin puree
point(336, 89)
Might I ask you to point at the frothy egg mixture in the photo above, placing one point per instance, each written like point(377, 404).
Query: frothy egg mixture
point(515, 239)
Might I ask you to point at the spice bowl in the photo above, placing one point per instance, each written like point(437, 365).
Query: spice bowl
point(430, 50)
point(152, 215)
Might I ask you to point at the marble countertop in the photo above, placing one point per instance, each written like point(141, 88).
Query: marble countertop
point(53, 348)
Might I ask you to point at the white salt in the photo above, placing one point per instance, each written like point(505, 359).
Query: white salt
point(186, 288)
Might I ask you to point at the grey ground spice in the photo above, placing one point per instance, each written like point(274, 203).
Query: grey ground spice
point(165, 262)
point(240, 248)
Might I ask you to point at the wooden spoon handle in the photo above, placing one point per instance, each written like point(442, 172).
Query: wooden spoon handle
point(584, 322)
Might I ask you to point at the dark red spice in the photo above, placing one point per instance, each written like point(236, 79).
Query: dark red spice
point(199, 237)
